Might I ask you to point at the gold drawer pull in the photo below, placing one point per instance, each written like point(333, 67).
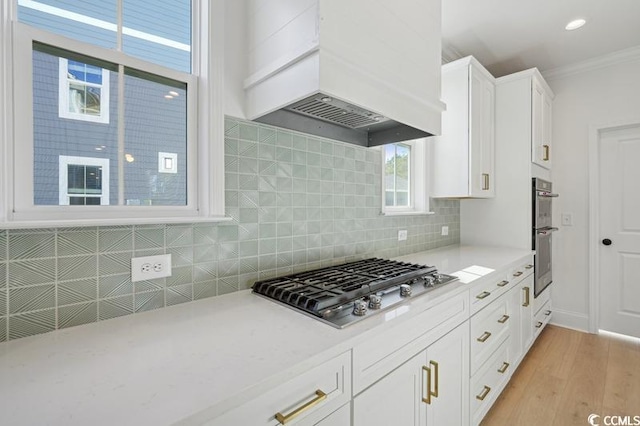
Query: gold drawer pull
point(526, 296)
point(547, 313)
point(484, 393)
point(484, 337)
point(483, 295)
point(437, 374)
point(503, 369)
point(545, 156)
point(538, 324)
point(503, 319)
point(528, 267)
point(502, 283)
point(284, 418)
point(517, 274)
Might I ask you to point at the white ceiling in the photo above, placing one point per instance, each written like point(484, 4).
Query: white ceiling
point(507, 36)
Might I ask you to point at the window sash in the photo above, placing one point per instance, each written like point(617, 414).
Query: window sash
point(24, 208)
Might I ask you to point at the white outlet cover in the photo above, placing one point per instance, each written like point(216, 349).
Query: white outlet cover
point(445, 230)
point(150, 267)
point(402, 235)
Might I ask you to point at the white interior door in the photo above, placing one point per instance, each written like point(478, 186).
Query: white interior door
point(619, 249)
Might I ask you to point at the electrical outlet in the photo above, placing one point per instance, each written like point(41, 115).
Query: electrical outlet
point(150, 267)
point(445, 230)
point(402, 235)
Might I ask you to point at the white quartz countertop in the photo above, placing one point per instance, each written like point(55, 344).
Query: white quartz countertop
point(189, 362)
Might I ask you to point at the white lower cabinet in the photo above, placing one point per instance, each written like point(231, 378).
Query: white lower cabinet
point(430, 388)
point(340, 417)
point(308, 399)
point(526, 313)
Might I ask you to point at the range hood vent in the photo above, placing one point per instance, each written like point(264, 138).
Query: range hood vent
point(335, 111)
point(327, 117)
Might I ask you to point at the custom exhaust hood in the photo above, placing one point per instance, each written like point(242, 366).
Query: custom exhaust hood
point(346, 70)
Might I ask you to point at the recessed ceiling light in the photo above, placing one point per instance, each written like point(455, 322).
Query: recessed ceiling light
point(575, 24)
point(168, 97)
point(174, 93)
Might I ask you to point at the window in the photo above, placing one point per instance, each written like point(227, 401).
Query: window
point(83, 181)
point(404, 175)
point(105, 89)
point(397, 169)
point(83, 91)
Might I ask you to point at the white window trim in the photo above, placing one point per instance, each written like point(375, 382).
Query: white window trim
point(63, 177)
point(418, 181)
point(63, 95)
point(207, 98)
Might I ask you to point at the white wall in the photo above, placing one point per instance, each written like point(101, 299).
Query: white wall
point(595, 97)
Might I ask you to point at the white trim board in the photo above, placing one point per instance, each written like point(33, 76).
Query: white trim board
point(573, 320)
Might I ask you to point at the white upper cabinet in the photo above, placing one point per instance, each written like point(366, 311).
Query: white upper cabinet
point(541, 100)
point(381, 56)
point(462, 160)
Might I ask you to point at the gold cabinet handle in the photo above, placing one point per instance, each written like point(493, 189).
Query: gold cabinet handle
point(284, 418)
point(528, 267)
point(484, 337)
point(427, 399)
point(484, 393)
point(526, 296)
point(547, 313)
point(436, 373)
point(538, 324)
point(517, 274)
point(483, 295)
point(503, 319)
point(545, 156)
point(503, 369)
point(485, 181)
point(502, 283)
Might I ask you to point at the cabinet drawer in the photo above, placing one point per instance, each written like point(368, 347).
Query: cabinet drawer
point(482, 295)
point(378, 356)
point(489, 328)
point(490, 380)
point(542, 318)
point(519, 272)
point(304, 400)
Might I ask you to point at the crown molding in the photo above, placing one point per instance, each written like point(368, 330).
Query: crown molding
point(631, 54)
point(450, 53)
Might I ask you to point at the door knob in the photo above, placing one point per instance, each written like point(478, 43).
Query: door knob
point(606, 242)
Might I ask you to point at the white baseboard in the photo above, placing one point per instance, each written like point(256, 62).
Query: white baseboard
point(573, 320)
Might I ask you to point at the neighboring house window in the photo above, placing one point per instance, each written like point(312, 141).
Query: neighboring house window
point(404, 178)
point(397, 171)
point(83, 91)
point(83, 181)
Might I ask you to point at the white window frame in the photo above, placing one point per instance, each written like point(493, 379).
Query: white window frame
point(64, 83)
point(64, 161)
point(418, 181)
point(205, 156)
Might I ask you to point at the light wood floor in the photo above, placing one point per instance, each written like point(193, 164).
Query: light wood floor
point(568, 375)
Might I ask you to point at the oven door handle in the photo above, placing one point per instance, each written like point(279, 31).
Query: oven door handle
point(546, 231)
point(544, 194)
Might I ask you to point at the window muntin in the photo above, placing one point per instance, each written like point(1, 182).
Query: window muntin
point(397, 175)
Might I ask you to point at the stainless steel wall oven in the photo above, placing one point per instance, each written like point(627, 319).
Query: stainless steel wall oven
point(542, 233)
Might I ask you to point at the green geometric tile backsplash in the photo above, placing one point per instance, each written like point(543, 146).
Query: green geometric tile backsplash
point(297, 202)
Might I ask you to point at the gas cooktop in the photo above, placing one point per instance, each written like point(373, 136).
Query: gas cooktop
point(344, 294)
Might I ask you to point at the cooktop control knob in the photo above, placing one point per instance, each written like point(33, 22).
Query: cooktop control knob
point(429, 281)
point(375, 301)
point(359, 308)
point(405, 290)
